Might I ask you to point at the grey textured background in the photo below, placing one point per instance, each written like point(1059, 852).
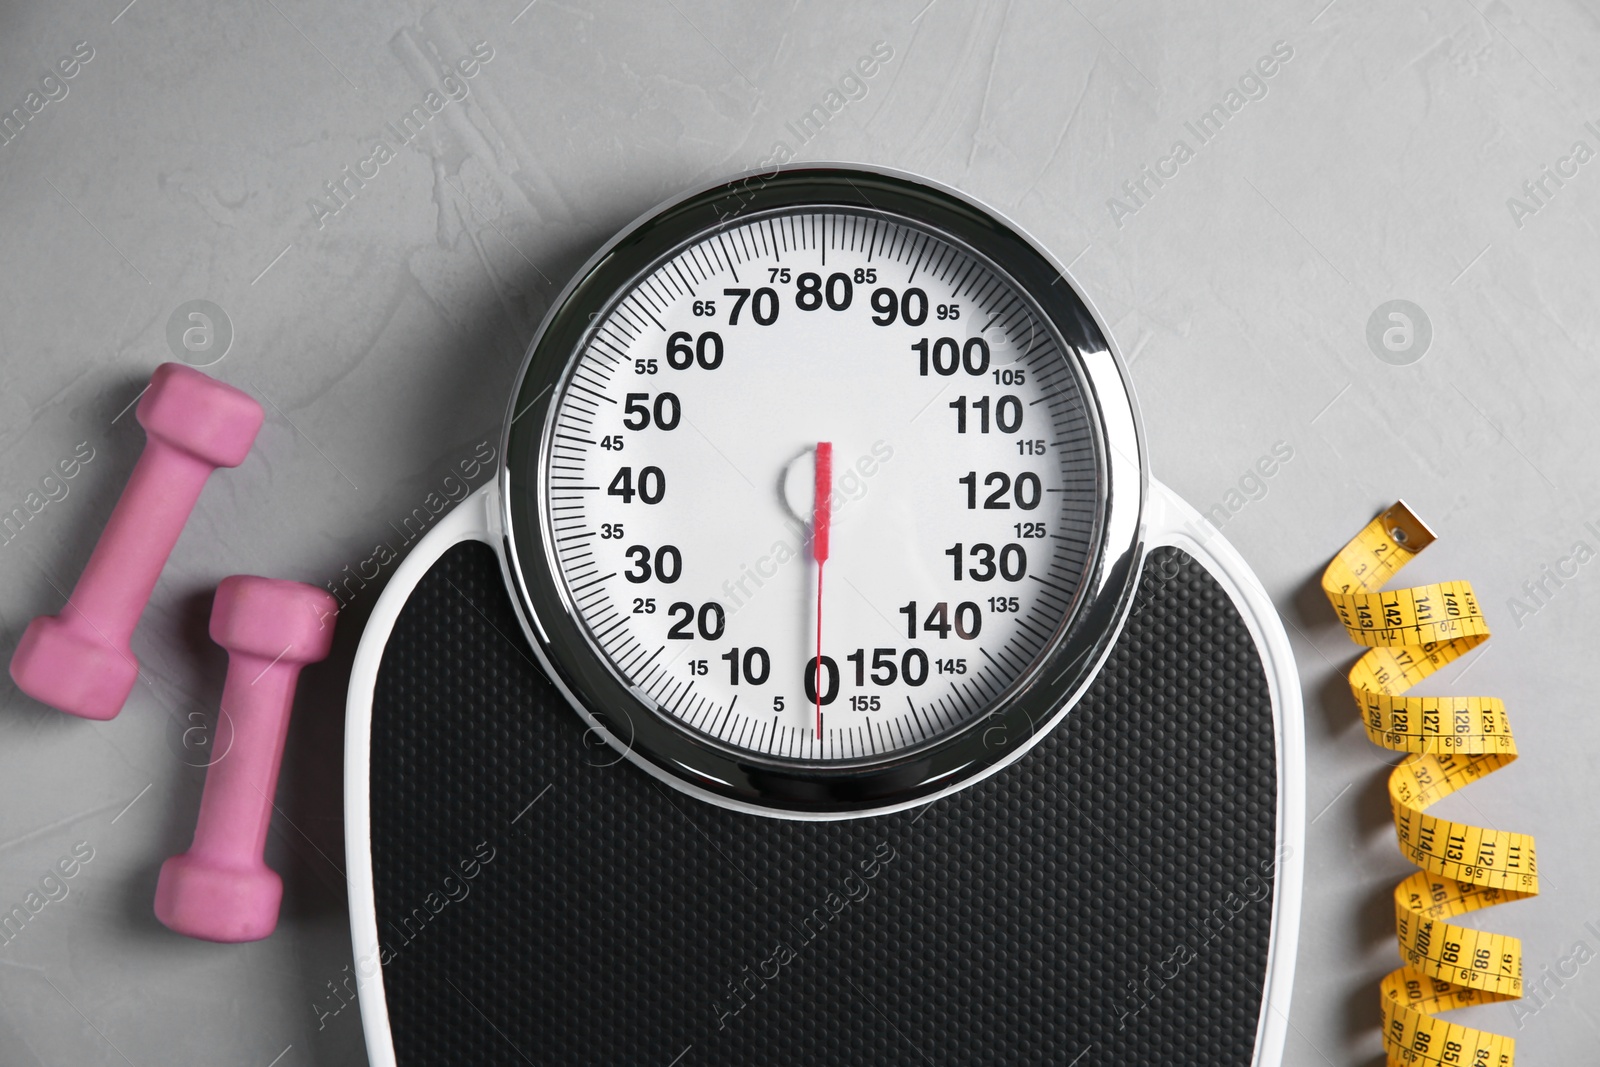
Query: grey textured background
point(383, 337)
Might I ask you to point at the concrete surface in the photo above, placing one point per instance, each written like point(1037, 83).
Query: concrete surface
point(189, 157)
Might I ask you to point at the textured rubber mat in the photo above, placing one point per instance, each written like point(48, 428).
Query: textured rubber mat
point(1105, 900)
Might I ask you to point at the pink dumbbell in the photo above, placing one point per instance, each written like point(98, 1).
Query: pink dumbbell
point(80, 661)
point(221, 890)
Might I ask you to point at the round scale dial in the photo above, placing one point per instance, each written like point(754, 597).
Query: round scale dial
point(957, 485)
point(822, 492)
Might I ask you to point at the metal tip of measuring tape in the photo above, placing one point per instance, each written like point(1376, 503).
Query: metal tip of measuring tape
point(1408, 531)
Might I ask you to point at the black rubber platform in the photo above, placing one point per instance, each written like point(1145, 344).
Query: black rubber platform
point(1105, 900)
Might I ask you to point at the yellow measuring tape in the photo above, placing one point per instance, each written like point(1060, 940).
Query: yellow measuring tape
point(1453, 741)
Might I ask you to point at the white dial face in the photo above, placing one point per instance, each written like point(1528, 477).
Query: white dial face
point(840, 356)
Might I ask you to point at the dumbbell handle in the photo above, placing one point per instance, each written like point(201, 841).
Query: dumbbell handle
point(236, 806)
point(144, 526)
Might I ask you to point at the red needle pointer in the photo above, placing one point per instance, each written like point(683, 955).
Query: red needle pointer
point(821, 514)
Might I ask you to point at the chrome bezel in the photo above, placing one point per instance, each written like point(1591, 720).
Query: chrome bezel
point(631, 722)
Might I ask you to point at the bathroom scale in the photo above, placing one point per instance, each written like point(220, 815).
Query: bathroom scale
point(824, 678)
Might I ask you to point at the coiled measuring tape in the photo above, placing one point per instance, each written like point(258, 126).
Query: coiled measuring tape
point(1453, 741)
